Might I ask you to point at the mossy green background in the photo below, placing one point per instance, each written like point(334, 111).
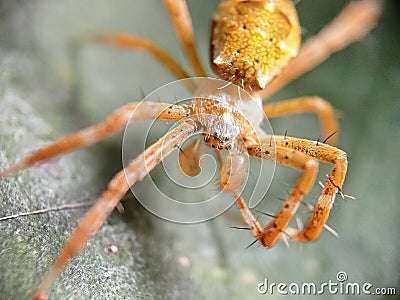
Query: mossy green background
point(39, 101)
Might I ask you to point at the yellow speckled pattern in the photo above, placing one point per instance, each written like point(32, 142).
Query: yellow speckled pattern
point(252, 40)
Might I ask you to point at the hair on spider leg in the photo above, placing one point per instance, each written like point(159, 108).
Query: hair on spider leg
point(317, 143)
point(240, 228)
point(326, 139)
point(232, 78)
point(266, 214)
point(308, 205)
point(181, 151)
point(344, 196)
point(285, 238)
point(350, 197)
point(329, 136)
point(299, 223)
point(238, 90)
point(228, 83)
point(339, 192)
point(310, 208)
point(251, 244)
point(300, 227)
point(331, 230)
point(260, 245)
point(251, 89)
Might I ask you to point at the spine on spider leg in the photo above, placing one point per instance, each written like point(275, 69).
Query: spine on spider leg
point(324, 204)
point(333, 185)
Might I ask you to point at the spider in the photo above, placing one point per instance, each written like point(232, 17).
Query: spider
point(255, 45)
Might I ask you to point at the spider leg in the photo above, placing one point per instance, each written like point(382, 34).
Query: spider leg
point(301, 153)
point(354, 22)
point(297, 160)
point(95, 133)
point(233, 174)
point(333, 185)
point(314, 104)
point(109, 199)
point(134, 42)
point(182, 22)
point(232, 177)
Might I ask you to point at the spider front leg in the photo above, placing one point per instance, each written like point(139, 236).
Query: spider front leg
point(333, 184)
point(294, 159)
point(232, 179)
point(321, 107)
point(109, 199)
point(95, 133)
point(304, 154)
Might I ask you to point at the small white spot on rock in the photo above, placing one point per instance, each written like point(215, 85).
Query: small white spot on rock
point(183, 261)
point(112, 249)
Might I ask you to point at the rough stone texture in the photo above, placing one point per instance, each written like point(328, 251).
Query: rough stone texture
point(157, 259)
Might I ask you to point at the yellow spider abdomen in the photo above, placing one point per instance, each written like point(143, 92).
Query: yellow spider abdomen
point(252, 40)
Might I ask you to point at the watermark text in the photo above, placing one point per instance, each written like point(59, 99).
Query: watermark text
point(339, 286)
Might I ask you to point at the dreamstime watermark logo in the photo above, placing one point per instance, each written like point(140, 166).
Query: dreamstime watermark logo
point(168, 191)
point(340, 286)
